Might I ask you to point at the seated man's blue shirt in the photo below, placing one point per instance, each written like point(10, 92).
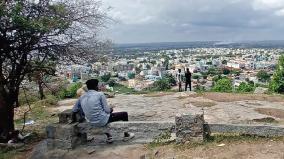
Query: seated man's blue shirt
point(95, 107)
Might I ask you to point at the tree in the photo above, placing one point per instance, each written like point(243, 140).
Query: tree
point(41, 72)
point(41, 31)
point(131, 75)
point(166, 63)
point(277, 82)
point(106, 77)
point(223, 85)
point(226, 71)
point(263, 76)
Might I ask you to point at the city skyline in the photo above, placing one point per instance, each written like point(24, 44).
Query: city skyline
point(145, 21)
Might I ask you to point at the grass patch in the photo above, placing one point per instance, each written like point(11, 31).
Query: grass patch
point(41, 117)
point(13, 154)
point(265, 120)
point(227, 139)
point(160, 140)
point(121, 89)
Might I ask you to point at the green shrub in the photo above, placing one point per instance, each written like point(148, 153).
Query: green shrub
point(223, 85)
point(50, 100)
point(196, 76)
point(72, 89)
point(263, 76)
point(277, 82)
point(171, 79)
point(161, 85)
point(31, 97)
point(105, 78)
point(226, 71)
point(200, 88)
point(111, 83)
point(245, 87)
point(131, 75)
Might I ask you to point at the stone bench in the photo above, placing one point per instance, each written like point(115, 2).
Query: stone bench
point(187, 128)
point(67, 136)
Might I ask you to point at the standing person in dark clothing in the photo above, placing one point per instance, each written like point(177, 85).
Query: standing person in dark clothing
point(179, 80)
point(187, 79)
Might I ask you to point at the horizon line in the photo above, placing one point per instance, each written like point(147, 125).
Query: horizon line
point(225, 41)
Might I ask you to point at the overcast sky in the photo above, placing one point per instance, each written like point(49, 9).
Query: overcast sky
point(139, 21)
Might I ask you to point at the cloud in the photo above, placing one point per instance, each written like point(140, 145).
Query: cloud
point(190, 20)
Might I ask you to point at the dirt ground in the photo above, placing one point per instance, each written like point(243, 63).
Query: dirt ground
point(259, 149)
point(217, 107)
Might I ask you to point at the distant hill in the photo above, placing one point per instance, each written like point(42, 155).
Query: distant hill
point(139, 47)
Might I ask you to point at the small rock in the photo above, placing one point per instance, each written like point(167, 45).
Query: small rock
point(221, 145)
point(156, 153)
point(149, 114)
point(144, 157)
point(90, 150)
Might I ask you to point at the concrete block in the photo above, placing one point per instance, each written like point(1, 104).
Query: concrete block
point(189, 128)
point(61, 131)
point(65, 116)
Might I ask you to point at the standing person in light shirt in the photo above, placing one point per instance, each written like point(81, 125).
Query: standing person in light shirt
point(179, 80)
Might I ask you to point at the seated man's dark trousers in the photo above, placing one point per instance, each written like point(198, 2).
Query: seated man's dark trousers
point(119, 116)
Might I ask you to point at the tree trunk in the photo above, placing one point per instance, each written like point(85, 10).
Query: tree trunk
point(6, 120)
point(40, 90)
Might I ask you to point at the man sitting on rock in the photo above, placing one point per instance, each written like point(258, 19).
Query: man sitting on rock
point(93, 105)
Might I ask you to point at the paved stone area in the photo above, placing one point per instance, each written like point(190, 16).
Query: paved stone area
point(165, 107)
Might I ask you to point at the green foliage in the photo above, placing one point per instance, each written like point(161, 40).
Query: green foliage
point(245, 87)
point(31, 97)
point(223, 85)
point(213, 71)
point(170, 78)
point(70, 91)
point(236, 72)
point(111, 83)
point(195, 76)
point(106, 77)
point(199, 88)
point(226, 71)
point(161, 85)
point(263, 76)
point(131, 75)
point(166, 63)
point(119, 88)
point(50, 100)
point(217, 78)
point(277, 82)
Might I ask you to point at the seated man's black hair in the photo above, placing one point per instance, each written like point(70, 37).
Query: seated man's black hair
point(92, 84)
